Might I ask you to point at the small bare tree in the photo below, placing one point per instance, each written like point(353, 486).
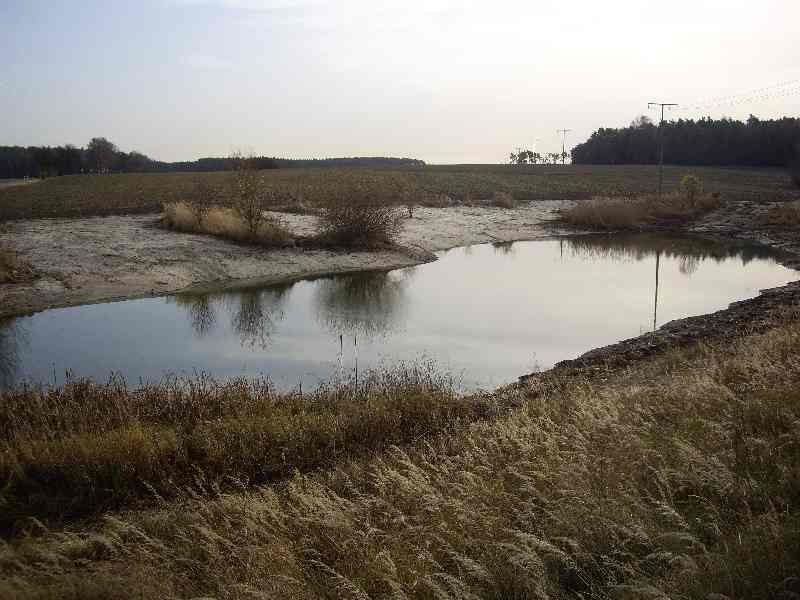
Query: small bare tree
point(203, 198)
point(248, 195)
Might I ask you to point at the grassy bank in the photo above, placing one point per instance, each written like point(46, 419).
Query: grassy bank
point(88, 195)
point(84, 448)
point(678, 478)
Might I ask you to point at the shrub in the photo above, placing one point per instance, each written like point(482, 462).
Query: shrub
point(691, 186)
point(249, 195)
point(504, 200)
point(361, 210)
point(202, 199)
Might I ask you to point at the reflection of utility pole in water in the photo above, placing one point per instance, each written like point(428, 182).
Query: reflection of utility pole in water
point(655, 303)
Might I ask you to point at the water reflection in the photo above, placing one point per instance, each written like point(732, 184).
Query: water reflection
point(366, 304)
point(254, 313)
point(503, 247)
point(689, 251)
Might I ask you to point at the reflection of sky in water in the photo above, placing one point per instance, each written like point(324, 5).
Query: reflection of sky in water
point(488, 313)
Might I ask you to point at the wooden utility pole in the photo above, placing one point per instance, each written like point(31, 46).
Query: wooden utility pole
point(563, 133)
point(660, 142)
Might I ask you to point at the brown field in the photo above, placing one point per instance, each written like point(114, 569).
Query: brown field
point(677, 477)
point(90, 195)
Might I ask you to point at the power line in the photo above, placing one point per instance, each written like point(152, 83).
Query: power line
point(661, 142)
point(778, 90)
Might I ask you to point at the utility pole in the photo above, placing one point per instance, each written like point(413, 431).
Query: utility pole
point(563, 133)
point(660, 142)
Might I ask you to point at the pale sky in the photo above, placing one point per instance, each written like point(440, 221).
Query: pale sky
point(444, 81)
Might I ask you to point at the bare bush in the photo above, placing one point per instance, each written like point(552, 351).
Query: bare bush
point(692, 187)
point(504, 200)
point(248, 195)
point(202, 199)
point(361, 209)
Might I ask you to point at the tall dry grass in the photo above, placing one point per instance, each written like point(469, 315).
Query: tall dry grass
point(13, 269)
point(638, 212)
point(786, 215)
point(226, 223)
point(677, 480)
point(86, 447)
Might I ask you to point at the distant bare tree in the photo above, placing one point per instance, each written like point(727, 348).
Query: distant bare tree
point(102, 154)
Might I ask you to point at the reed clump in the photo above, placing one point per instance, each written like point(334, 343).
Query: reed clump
point(678, 480)
point(601, 213)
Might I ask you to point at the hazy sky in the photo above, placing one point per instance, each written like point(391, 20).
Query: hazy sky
point(439, 80)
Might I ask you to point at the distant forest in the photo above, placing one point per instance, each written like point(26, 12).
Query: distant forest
point(722, 142)
point(102, 156)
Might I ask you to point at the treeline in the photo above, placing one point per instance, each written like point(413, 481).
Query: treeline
point(725, 142)
point(102, 156)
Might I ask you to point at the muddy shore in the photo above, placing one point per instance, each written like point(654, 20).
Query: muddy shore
point(103, 259)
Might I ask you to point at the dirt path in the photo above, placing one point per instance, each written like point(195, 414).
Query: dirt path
point(99, 259)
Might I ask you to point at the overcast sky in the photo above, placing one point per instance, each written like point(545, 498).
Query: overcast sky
point(439, 80)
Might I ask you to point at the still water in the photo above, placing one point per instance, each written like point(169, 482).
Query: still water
point(486, 313)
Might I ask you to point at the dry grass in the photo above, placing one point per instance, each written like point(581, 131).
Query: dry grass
point(12, 268)
point(226, 223)
point(679, 479)
point(503, 200)
point(638, 212)
point(86, 447)
point(786, 215)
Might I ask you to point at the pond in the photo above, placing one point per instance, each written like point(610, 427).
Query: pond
point(487, 314)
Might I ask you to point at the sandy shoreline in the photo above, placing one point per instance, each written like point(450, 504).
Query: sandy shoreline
point(104, 259)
